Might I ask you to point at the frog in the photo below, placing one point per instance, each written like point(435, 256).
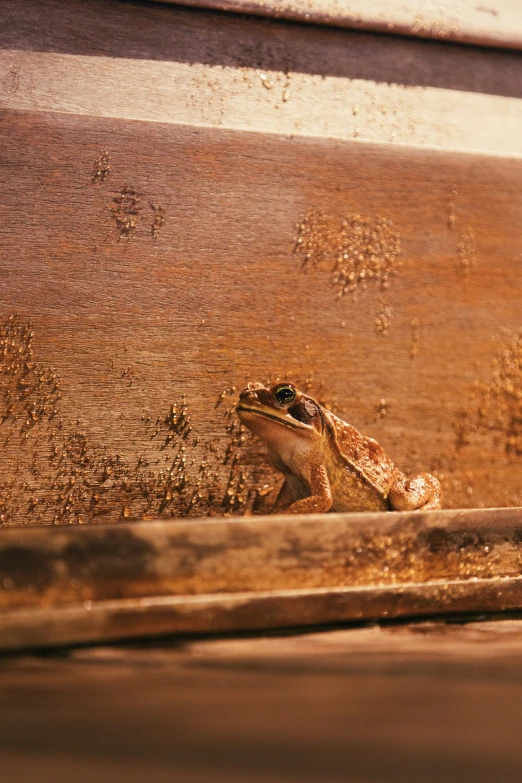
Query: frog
point(328, 465)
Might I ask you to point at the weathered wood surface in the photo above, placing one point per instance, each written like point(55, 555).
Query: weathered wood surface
point(149, 269)
point(167, 64)
point(148, 618)
point(427, 702)
point(127, 323)
point(85, 584)
point(498, 23)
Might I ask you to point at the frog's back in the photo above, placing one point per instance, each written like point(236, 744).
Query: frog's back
point(359, 469)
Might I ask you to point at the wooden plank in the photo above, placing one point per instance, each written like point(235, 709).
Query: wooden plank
point(364, 87)
point(497, 24)
point(161, 281)
point(107, 621)
point(146, 29)
point(237, 98)
point(428, 701)
point(85, 584)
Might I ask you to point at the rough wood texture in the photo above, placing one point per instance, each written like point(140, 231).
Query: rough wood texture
point(166, 64)
point(79, 584)
point(498, 23)
point(105, 621)
point(159, 289)
point(428, 702)
point(148, 270)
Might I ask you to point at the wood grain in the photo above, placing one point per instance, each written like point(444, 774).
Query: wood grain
point(98, 583)
point(153, 260)
point(127, 323)
point(429, 701)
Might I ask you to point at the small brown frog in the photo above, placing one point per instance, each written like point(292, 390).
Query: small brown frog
point(327, 464)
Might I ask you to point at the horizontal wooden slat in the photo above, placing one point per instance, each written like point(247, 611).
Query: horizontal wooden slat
point(96, 583)
point(105, 621)
point(172, 64)
point(423, 702)
point(209, 96)
point(203, 287)
point(497, 23)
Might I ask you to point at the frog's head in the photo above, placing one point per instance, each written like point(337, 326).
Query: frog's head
point(281, 412)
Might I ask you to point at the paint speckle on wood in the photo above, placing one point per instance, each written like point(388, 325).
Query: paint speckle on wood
point(125, 209)
point(102, 168)
point(11, 80)
point(75, 478)
point(29, 390)
point(466, 253)
point(490, 425)
point(500, 400)
point(131, 213)
point(158, 219)
point(414, 337)
point(383, 318)
point(356, 252)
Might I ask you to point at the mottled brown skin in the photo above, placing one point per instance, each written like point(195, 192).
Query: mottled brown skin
point(327, 464)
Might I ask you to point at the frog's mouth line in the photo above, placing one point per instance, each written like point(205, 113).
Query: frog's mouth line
point(288, 422)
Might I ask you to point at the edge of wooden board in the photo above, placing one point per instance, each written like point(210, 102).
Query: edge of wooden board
point(75, 584)
point(108, 621)
point(495, 24)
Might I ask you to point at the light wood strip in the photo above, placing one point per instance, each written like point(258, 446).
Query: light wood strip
point(237, 98)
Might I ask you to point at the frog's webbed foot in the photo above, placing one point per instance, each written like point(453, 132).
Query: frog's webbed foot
point(319, 502)
point(421, 493)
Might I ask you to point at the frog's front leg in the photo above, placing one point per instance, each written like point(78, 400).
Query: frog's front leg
point(320, 501)
point(285, 497)
point(421, 493)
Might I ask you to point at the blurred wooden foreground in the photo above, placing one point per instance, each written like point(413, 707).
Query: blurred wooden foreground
point(426, 702)
point(74, 585)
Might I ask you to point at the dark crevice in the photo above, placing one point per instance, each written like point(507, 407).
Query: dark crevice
point(155, 31)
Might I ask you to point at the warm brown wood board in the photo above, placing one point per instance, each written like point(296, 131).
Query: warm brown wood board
point(155, 183)
point(425, 702)
point(92, 584)
point(103, 333)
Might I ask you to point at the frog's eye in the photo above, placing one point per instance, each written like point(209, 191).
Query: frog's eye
point(285, 394)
